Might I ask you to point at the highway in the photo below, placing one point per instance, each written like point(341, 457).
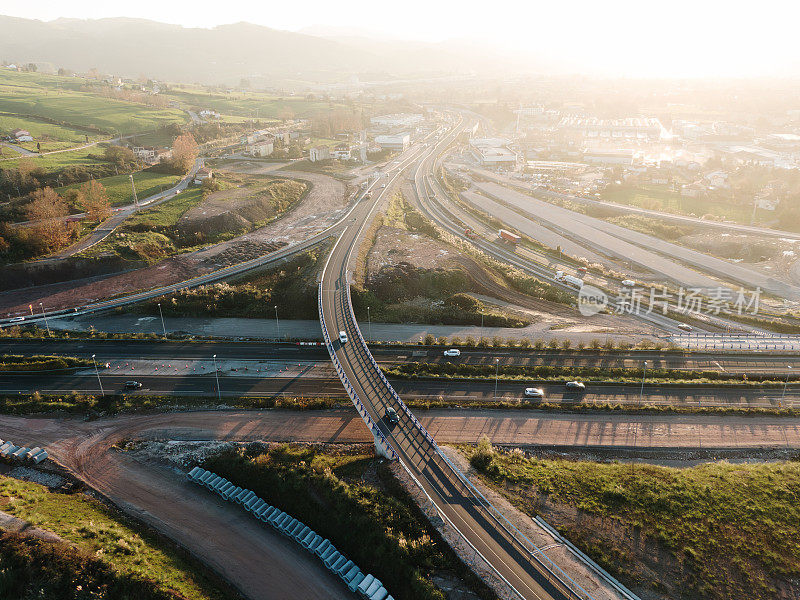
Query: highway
point(645, 250)
point(388, 355)
point(453, 498)
point(673, 217)
point(307, 381)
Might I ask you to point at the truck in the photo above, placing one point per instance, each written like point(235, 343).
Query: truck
point(569, 279)
point(508, 237)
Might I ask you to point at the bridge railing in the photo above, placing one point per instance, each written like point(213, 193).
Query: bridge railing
point(575, 590)
point(362, 411)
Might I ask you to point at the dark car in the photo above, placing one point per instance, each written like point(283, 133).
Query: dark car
point(133, 385)
point(391, 416)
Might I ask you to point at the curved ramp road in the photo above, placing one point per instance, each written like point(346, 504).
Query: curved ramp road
point(529, 575)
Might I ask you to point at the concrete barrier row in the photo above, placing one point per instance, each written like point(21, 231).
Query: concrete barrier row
point(365, 585)
point(22, 453)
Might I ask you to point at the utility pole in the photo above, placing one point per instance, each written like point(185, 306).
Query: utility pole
point(164, 329)
point(46, 324)
point(96, 370)
point(481, 332)
point(369, 320)
point(641, 391)
point(496, 372)
point(133, 186)
point(277, 324)
point(785, 383)
point(216, 374)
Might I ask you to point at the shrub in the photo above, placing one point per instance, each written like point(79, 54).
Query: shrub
point(470, 341)
point(483, 455)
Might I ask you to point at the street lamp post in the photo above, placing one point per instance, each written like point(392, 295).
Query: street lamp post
point(163, 328)
point(97, 371)
point(46, 324)
point(785, 383)
point(216, 374)
point(277, 325)
point(496, 372)
point(481, 336)
point(133, 187)
point(641, 391)
point(369, 320)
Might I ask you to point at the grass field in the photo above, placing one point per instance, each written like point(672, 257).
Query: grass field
point(660, 198)
point(713, 531)
point(252, 104)
point(95, 529)
point(49, 135)
point(45, 96)
point(55, 162)
point(119, 186)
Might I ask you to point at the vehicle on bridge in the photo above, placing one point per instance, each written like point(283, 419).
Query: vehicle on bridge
point(133, 385)
point(390, 416)
point(452, 352)
point(342, 337)
point(533, 392)
point(576, 385)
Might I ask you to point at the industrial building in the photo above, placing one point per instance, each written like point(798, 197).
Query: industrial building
point(259, 149)
point(634, 128)
point(609, 157)
point(493, 152)
point(403, 120)
point(399, 141)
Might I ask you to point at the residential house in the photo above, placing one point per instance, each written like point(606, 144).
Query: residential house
point(319, 153)
point(341, 151)
point(202, 175)
point(261, 149)
point(21, 135)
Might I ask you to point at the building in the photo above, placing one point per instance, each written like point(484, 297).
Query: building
point(202, 175)
point(151, 155)
point(318, 153)
point(609, 157)
point(403, 120)
point(633, 128)
point(209, 114)
point(341, 152)
point(399, 141)
point(21, 135)
point(261, 149)
point(493, 152)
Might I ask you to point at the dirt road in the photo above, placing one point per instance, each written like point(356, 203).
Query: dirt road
point(266, 566)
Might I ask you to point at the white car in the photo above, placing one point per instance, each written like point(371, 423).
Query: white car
point(575, 385)
point(534, 393)
point(342, 337)
point(452, 352)
point(16, 319)
point(685, 327)
point(628, 282)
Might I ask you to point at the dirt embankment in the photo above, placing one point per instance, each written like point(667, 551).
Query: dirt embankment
point(321, 207)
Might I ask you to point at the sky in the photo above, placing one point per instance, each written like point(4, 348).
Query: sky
point(683, 38)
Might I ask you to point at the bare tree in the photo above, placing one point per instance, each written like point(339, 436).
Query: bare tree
point(184, 152)
point(94, 200)
point(48, 211)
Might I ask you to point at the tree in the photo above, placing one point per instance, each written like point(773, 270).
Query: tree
point(94, 200)
point(184, 152)
point(120, 156)
point(47, 210)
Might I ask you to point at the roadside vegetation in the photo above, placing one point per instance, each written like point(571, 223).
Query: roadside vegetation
point(291, 287)
point(716, 531)
point(40, 362)
point(103, 554)
point(353, 499)
point(553, 373)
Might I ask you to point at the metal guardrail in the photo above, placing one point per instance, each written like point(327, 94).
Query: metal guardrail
point(362, 411)
point(533, 550)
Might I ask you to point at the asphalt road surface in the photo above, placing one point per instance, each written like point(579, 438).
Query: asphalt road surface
point(388, 355)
